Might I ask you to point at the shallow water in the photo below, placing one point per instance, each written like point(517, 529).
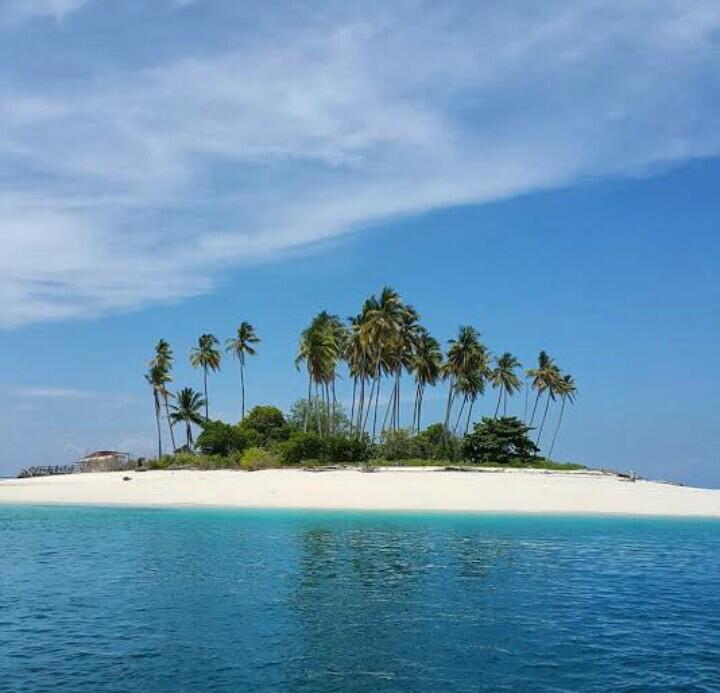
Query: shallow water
point(187, 600)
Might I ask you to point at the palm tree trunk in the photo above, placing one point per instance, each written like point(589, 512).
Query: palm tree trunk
point(390, 406)
point(207, 404)
point(188, 434)
point(505, 403)
point(497, 407)
point(157, 422)
point(469, 416)
point(352, 409)
point(242, 387)
point(377, 402)
point(420, 403)
point(532, 418)
point(170, 426)
point(460, 413)
point(547, 406)
point(448, 406)
point(527, 392)
point(308, 405)
point(557, 428)
point(359, 427)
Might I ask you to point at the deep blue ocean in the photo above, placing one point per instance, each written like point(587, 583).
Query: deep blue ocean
point(97, 599)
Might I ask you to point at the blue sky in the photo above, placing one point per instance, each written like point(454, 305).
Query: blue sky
point(546, 172)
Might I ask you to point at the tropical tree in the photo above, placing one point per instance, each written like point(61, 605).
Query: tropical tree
point(380, 329)
point(318, 350)
point(164, 360)
point(156, 378)
point(357, 358)
point(505, 379)
point(426, 365)
point(566, 389)
point(241, 345)
point(206, 356)
point(465, 355)
point(188, 411)
point(540, 379)
point(471, 386)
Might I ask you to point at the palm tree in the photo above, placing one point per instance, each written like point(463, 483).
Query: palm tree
point(206, 356)
point(164, 359)
point(567, 391)
point(464, 356)
point(357, 358)
point(187, 410)
point(241, 346)
point(155, 377)
point(551, 380)
point(540, 378)
point(470, 386)
point(504, 377)
point(381, 326)
point(318, 349)
point(426, 365)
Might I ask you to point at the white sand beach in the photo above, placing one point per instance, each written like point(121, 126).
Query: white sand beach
point(392, 489)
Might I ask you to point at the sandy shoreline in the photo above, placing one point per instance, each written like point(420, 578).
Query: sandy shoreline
point(407, 489)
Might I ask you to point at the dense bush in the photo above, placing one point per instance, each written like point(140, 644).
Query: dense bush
point(345, 449)
point(299, 447)
point(333, 449)
point(219, 438)
point(434, 443)
point(331, 419)
point(499, 441)
point(254, 459)
point(266, 425)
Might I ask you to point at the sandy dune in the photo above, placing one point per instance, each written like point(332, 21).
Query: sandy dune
point(410, 489)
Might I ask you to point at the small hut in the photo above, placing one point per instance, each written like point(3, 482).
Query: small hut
point(104, 461)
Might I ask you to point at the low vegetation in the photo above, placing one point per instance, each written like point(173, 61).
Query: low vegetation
point(266, 439)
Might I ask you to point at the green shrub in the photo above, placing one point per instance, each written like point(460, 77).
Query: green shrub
point(344, 449)
point(254, 459)
point(403, 445)
point(219, 438)
point(265, 425)
point(299, 447)
point(500, 441)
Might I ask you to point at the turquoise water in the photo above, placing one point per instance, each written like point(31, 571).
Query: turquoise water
point(190, 600)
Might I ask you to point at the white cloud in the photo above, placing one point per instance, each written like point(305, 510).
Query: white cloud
point(26, 9)
point(145, 185)
point(50, 393)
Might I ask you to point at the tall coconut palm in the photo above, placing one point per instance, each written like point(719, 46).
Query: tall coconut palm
point(164, 359)
point(156, 378)
point(206, 356)
point(426, 366)
point(470, 386)
point(540, 378)
point(188, 411)
point(505, 379)
point(552, 380)
point(565, 387)
point(318, 350)
point(241, 345)
point(463, 357)
point(357, 358)
point(381, 326)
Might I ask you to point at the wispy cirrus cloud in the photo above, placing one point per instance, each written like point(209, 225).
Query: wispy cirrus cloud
point(55, 393)
point(146, 183)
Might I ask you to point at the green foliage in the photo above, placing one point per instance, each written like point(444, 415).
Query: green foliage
point(301, 448)
point(403, 445)
point(314, 409)
point(344, 449)
point(266, 425)
point(219, 438)
point(499, 441)
point(255, 458)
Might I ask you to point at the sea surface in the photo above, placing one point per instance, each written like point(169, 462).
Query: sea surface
point(97, 599)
